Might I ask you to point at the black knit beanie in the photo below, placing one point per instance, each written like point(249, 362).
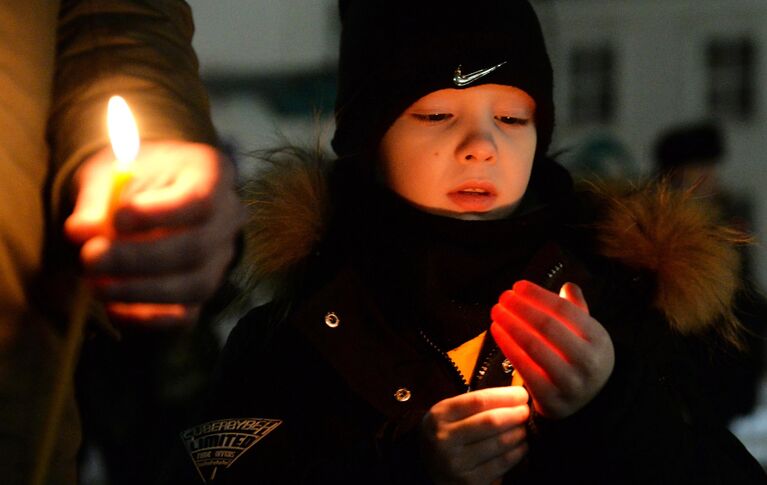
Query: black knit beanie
point(394, 52)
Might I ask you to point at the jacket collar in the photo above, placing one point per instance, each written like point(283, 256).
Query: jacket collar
point(674, 237)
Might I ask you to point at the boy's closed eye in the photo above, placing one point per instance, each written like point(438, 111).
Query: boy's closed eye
point(512, 120)
point(437, 117)
point(432, 117)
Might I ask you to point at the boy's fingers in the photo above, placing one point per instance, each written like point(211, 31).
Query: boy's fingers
point(465, 405)
point(488, 424)
point(566, 337)
point(531, 372)
point(536, 378)
point(472, 459)
point(496, 467)
point(568, 313)
point(551, 346)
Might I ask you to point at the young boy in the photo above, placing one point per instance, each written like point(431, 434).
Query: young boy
point(442, 214)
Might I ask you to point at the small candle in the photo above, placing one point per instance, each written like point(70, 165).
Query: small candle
point(123, 134)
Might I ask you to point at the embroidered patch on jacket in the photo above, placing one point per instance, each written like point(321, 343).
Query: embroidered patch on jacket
point(219, 443)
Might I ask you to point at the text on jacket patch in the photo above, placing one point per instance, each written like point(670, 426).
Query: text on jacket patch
point(219, 443)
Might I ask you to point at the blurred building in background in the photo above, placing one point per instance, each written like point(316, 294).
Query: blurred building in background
point(270, 68)
point(625, 71)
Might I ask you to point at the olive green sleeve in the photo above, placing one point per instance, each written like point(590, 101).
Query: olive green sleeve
point(139, 49)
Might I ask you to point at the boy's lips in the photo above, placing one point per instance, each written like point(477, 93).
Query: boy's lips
point(474, 196)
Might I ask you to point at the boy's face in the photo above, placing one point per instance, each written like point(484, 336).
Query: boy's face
point(463, 153)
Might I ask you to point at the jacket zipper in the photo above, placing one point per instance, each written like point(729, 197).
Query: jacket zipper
point(456, 371)
point(554, 270)
point(483, 367)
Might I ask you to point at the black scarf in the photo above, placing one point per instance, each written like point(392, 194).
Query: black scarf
point(442, 275)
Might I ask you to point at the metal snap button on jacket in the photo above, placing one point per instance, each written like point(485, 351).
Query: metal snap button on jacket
point(402, 394)
point(332, 320)
point(507, 367)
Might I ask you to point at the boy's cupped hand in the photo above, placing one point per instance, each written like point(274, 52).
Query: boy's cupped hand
point(475, 438)
point(563, 354)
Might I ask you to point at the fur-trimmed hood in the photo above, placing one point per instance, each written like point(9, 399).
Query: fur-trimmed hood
point(672, 235)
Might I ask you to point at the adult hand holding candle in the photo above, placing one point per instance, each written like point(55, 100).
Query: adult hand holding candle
point(563, 354)
point(156, 252)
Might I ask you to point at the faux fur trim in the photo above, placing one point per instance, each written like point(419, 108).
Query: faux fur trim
point(671, 234)
point(287, 205)
point(679, 239)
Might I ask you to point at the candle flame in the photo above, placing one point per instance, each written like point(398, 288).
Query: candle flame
point(123, 132)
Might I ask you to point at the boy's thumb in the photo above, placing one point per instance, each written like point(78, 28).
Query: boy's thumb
point(572, 293)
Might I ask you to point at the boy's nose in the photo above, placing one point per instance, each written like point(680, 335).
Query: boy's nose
point(477, 147)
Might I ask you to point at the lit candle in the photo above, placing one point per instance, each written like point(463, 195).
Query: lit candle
point(123, 135)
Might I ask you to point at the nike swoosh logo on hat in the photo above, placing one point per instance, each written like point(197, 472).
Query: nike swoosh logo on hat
point(461, 80)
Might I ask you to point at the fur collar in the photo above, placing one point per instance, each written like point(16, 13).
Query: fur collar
point(671, 234)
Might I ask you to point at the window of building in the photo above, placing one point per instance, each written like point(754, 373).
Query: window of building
point(592, 86)
point(731, 76)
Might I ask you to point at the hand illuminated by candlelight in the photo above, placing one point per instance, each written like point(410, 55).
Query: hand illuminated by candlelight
point(563, 354)
point(174, 231)
point(475, 438)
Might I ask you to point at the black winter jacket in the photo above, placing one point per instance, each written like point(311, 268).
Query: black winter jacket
point(330, 385)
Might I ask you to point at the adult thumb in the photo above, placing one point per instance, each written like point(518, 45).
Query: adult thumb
point(91, 203)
